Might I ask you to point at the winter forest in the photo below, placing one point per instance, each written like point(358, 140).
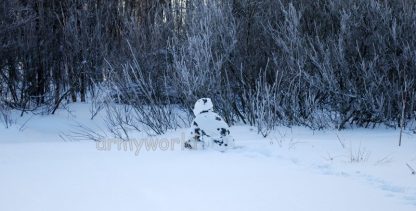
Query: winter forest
point(324, 63)
point(320, 88)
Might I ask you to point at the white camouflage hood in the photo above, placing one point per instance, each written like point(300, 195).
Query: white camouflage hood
point(203, 105)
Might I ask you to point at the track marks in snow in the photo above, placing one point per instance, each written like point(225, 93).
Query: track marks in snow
point(405, 194)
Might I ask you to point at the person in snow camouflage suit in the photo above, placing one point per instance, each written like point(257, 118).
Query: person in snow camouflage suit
point(208, 129)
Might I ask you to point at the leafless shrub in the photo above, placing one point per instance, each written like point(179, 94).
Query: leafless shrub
point(84, 133)
point(263, 110)
point(99, 96)
point(120, 121)
point(6, 117)
point(139, 103)
point(199, 61)
point(359, 154)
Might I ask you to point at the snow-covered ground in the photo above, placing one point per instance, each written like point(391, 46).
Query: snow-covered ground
point(293, 169)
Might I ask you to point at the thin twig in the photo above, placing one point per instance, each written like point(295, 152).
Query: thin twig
point(412, 170)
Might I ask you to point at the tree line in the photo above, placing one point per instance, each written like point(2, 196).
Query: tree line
point(320, 63)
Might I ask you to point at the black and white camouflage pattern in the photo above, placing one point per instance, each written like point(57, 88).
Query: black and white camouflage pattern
point(208, 129)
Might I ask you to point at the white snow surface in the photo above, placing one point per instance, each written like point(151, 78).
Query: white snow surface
point(294, 169)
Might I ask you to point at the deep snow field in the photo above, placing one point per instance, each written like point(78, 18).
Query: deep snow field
point(294, 169)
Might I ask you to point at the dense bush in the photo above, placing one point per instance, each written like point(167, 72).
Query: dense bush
point(323, 63)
